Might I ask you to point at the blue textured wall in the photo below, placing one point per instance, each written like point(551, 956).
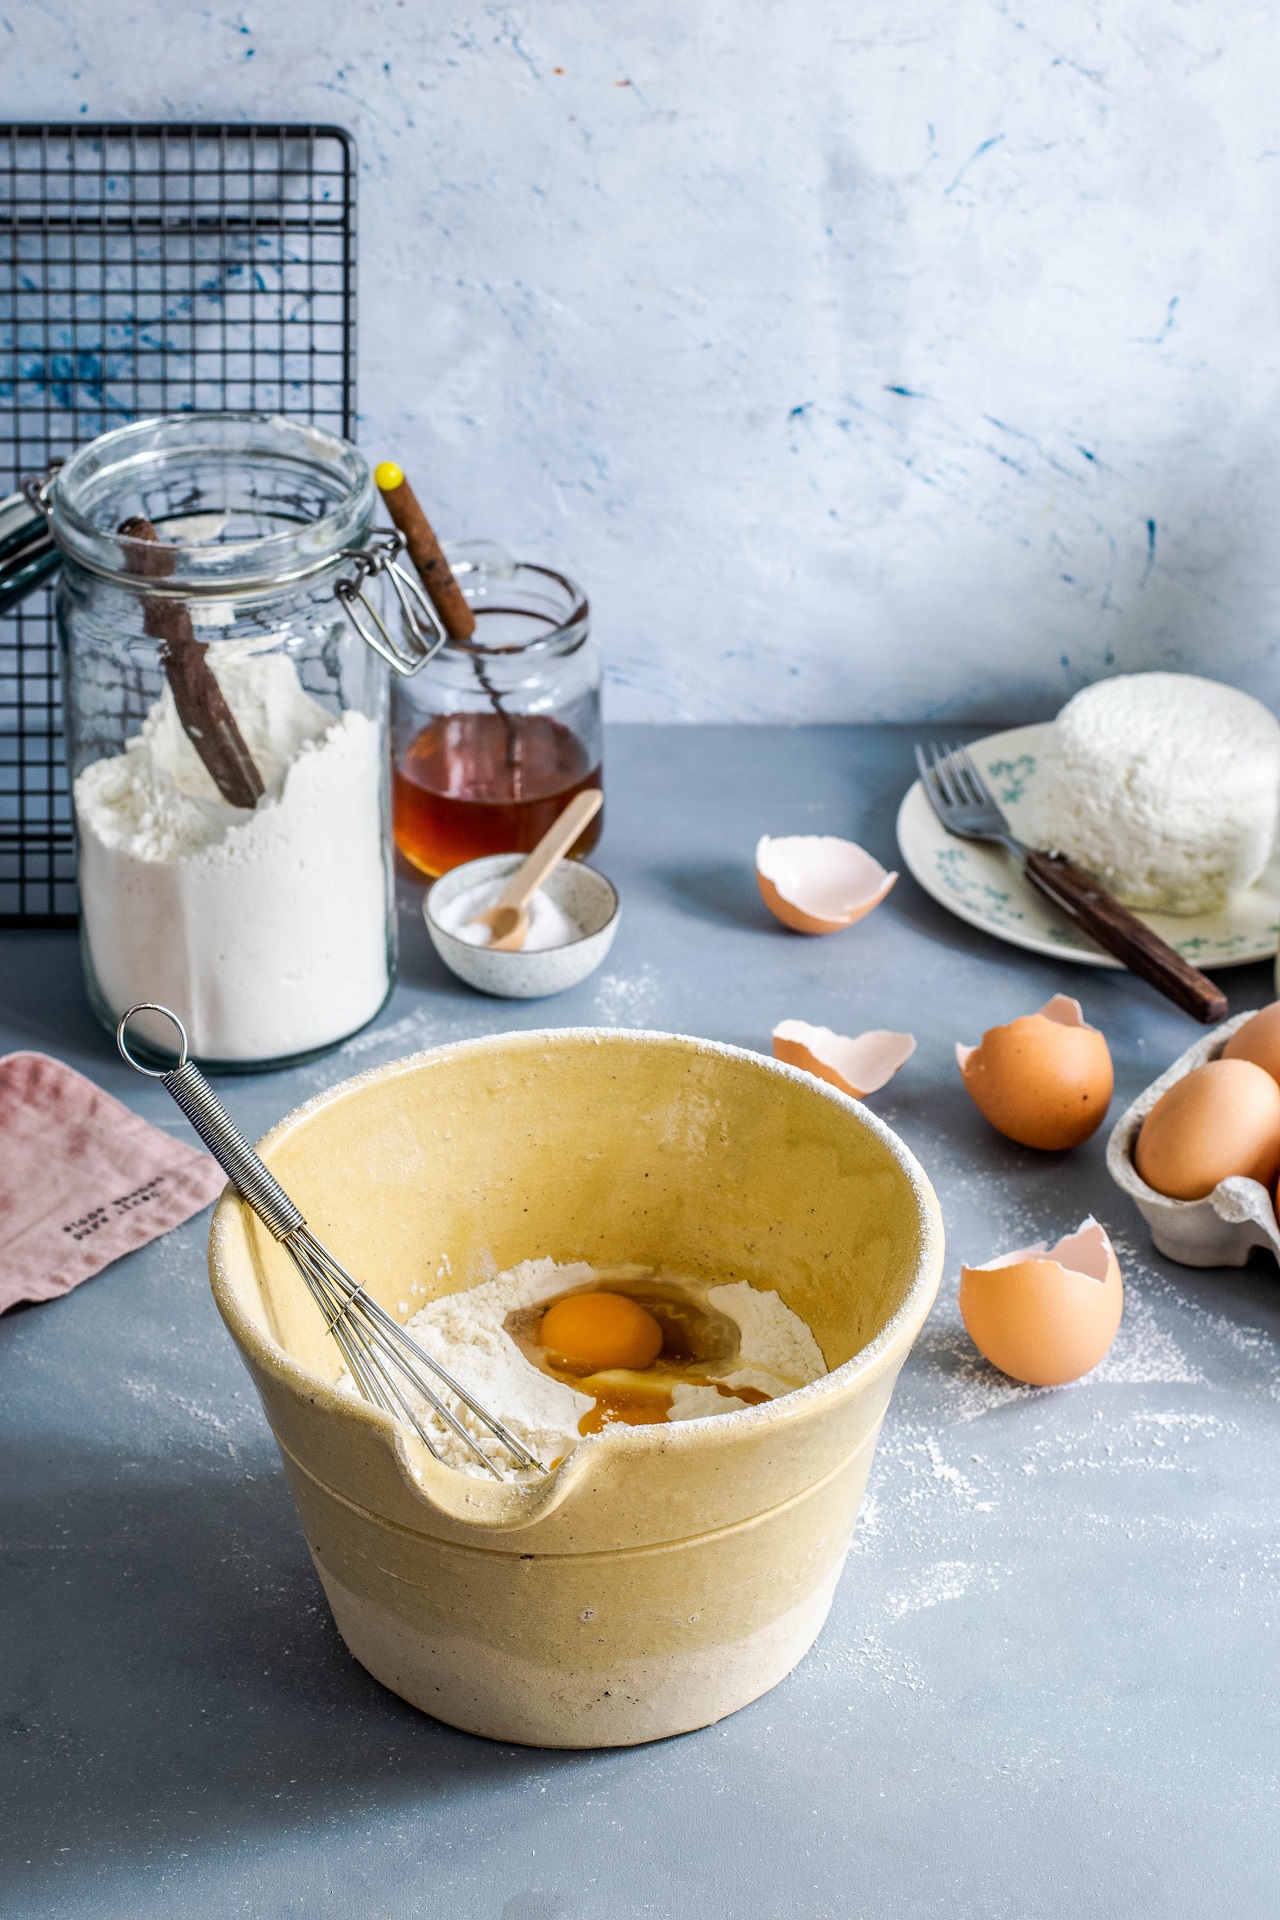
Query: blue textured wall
point(869, 360)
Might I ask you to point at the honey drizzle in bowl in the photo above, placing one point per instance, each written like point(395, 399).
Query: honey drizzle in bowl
point(697, 1342)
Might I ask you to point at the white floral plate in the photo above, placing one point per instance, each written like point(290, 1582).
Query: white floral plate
point(982, 885)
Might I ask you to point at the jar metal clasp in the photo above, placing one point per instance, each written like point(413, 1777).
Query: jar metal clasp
point(424, 633)
point(27, 552)
point(38, 491)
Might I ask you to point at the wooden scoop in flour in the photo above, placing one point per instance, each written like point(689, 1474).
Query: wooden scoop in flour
point(508, 918)
point(206, 718)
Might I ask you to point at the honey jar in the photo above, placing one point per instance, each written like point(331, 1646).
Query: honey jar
point(498, 732)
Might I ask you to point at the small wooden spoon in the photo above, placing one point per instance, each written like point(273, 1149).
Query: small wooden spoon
point(508, 918)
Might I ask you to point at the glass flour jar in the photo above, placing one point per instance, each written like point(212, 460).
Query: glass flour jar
point(225, 666)
point(492, 741)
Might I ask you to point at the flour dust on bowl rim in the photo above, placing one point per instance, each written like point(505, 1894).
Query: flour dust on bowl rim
point(662, 1576)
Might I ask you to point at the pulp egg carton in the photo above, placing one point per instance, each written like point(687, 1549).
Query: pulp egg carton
point(1222, 1229)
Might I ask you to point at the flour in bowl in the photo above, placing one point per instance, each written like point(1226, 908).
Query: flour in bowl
point(752, 1348)
point(1163, 785)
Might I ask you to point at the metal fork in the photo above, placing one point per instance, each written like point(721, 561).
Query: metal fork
point(963, 803)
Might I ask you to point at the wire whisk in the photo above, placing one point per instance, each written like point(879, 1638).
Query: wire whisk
point(387, 1365)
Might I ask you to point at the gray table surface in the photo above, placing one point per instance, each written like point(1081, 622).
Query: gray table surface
point(1049, 1681)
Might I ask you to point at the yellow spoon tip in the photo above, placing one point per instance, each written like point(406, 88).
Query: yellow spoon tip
point(388, 476)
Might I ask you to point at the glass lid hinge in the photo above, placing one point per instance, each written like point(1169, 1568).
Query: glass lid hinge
point(424, 635)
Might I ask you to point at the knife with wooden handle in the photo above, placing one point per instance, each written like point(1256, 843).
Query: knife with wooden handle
point(966, 807)
point(1100, 914)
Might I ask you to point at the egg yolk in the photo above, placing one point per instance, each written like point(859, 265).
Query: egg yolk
point(596, 1330)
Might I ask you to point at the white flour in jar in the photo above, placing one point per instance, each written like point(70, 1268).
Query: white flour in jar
point(265, 930)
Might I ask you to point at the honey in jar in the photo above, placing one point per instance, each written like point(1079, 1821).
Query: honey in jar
point(471, 784)
point(494, 737)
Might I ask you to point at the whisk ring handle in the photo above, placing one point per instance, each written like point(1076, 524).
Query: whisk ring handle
point(191, 1091)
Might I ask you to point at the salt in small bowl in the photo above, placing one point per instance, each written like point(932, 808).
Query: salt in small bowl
point(582, 894)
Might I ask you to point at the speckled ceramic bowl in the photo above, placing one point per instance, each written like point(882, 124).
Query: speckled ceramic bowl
point(580, 892)
point(660, 1576)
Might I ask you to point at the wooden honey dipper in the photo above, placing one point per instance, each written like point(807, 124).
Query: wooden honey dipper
point(437, 576)
point(425, 551)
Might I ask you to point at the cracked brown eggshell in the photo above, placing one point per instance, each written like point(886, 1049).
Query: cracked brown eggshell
point(817, 883)
point(1046, 1316)
point(1044, 1080)
point(858, 1066)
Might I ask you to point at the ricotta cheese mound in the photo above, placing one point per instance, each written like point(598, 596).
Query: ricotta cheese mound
point(464, 1331)
point(1164, 786)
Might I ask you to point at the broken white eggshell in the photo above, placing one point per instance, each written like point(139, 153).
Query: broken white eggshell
point(1046, 1316)
point(816, 883)
point(859, 1066)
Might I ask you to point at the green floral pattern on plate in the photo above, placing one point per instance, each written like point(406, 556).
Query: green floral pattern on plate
point(1009, 779)
point(981, 884)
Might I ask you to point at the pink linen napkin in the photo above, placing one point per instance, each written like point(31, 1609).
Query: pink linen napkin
point(82, 1179)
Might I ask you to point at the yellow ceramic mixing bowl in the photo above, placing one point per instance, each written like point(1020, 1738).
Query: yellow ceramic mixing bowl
point(662, 1576)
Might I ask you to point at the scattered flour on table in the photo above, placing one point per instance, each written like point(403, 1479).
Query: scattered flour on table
point(264, 930)
point(465, 1333)
point(944, 1580)
point(621, 1000)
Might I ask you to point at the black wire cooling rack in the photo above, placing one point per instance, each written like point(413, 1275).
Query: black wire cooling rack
point(143, 270)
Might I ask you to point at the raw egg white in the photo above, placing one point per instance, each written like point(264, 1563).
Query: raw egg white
point(1258, 1040)
point(1220, 1119)
point(1044, 1080)
point(859, 1066)
point(1046, 1316)
point(815, 883)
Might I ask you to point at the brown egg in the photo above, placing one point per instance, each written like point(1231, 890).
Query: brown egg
point(1046, 1317)
point(1044, 1080)
point(1220, 1119)
point(1258, 1040)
